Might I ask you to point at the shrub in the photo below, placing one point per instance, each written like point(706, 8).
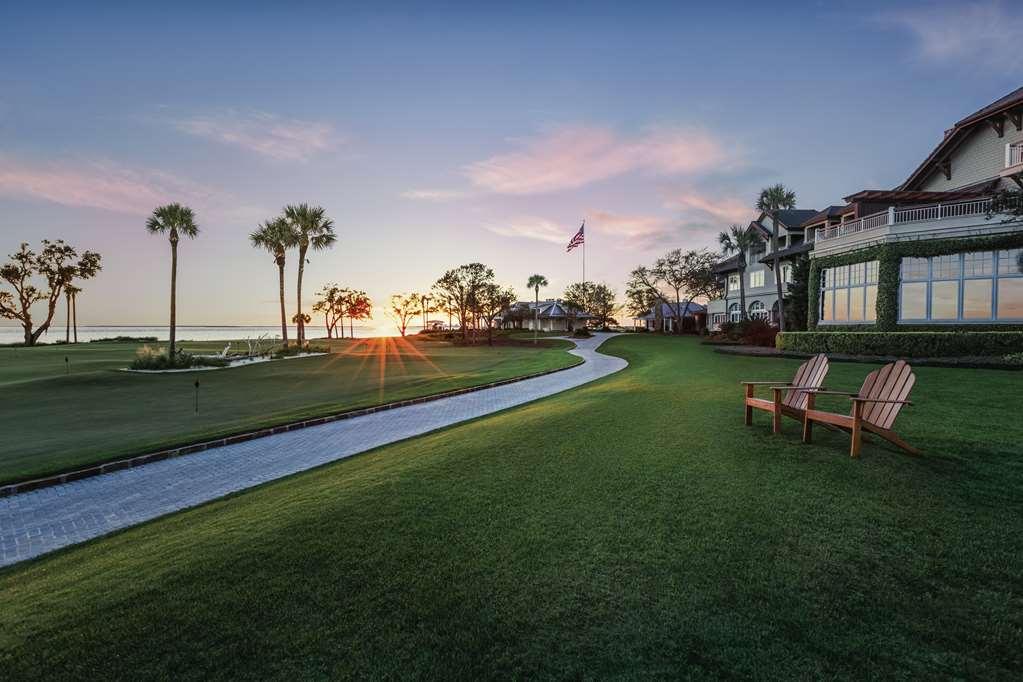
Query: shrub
point(749, 332)
point(935, 344)
point(125, 339)
point(581, 334)
point(155, 359)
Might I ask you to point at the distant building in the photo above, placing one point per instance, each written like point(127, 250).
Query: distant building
point(694, 318)
point(553, 315)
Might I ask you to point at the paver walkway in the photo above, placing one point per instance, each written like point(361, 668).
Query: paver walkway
point(41, 521)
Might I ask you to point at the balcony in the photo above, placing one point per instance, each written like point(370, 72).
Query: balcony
point(1014, 155)
point(959, 218)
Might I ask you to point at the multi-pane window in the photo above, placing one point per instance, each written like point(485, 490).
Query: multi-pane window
point(734, 312)
point(733, 282)
point(786, 273)
point(756, 279)
point(757, 311)
point(962, 287)
point(849, 294)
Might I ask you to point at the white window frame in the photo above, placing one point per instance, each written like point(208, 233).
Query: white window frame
point(762, 278)
point(758, 311)
point(860, 276)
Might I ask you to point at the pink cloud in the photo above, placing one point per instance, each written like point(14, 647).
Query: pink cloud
point(572, 157)
point(263, 133)
point(695, 206)
point(99, 184)
point(533, 228)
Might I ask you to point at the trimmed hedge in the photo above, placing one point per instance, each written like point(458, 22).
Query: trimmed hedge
point(945, 344)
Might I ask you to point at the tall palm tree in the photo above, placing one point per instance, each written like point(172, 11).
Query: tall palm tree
point(277, 236)
point(313, 230)
point(738, 240)
point(771, 200)
point(71, 295)
point(534, 283)
point(174, 220)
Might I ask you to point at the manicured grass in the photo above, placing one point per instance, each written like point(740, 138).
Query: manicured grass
point(52, 421)
point(632, 527)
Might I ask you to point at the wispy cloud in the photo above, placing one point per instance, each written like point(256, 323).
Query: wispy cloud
point(437, 195)
point(981, 33)
point(629, 231)
point(263, 133)
point(694, 206)
point(96, 184)
point(532, 228)
point(576, 156)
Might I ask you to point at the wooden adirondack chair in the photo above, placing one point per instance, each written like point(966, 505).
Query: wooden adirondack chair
point(874, 408)
point(809, 376)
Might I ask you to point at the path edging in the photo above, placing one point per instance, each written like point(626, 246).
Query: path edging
point(140, 460)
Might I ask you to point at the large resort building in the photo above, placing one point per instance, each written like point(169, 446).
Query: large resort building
point(938, 251)
point(935, 251)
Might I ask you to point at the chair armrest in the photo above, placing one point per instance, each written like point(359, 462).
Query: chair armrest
point(764, 383)
point(880, 400)
point(823, 392)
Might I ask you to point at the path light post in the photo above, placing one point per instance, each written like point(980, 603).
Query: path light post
point(67, 365)
point(197, 396)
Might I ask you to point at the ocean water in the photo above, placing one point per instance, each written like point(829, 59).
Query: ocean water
point(9, 334)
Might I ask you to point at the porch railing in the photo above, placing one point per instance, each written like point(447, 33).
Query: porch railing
point(896, 216)
point(1015, 156)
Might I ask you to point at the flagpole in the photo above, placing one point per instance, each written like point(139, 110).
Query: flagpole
point(584, 254)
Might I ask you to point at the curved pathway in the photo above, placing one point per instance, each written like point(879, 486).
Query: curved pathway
point(41, 521)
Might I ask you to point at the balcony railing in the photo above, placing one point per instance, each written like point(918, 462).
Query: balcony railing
point(896, 216)
point(1015, 156)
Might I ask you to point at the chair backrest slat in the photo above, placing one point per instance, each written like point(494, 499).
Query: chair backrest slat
point(892, 382)
point(811, 375)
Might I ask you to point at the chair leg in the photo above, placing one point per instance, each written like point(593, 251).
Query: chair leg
point(857, 430)
point(776, 415)
point(749, 410)
point(807, 423)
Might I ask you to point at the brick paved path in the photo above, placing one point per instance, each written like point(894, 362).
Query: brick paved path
point(41, 521)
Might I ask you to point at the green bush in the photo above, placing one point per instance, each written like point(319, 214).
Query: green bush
point(125, 339)
point(155, 359)
point(904, 344)
point(581, 334)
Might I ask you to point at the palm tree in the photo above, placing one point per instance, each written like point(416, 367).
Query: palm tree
point(738, 240)
point(771, 200)
point(175, 220)
point(313, 229)
point(277, 236)
point(71, 294)
point(534, 283)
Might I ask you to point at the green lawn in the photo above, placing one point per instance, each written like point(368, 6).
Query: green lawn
point(53, 421)
point(632, 527)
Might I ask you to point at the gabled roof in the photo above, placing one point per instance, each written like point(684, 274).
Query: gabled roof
point(793, 218)
point(955, 134)
point(821, 216)
point(668, 310)
point(782, 254)
point(550, 309)
point(727, 265)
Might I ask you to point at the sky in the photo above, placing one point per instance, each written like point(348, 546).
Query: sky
point(444, 133)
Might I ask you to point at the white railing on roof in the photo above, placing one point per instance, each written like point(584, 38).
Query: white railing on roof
point(1015, 156)
point(853, 226)
point(896, 216)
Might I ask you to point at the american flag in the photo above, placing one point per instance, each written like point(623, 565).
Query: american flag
point(579, 239)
